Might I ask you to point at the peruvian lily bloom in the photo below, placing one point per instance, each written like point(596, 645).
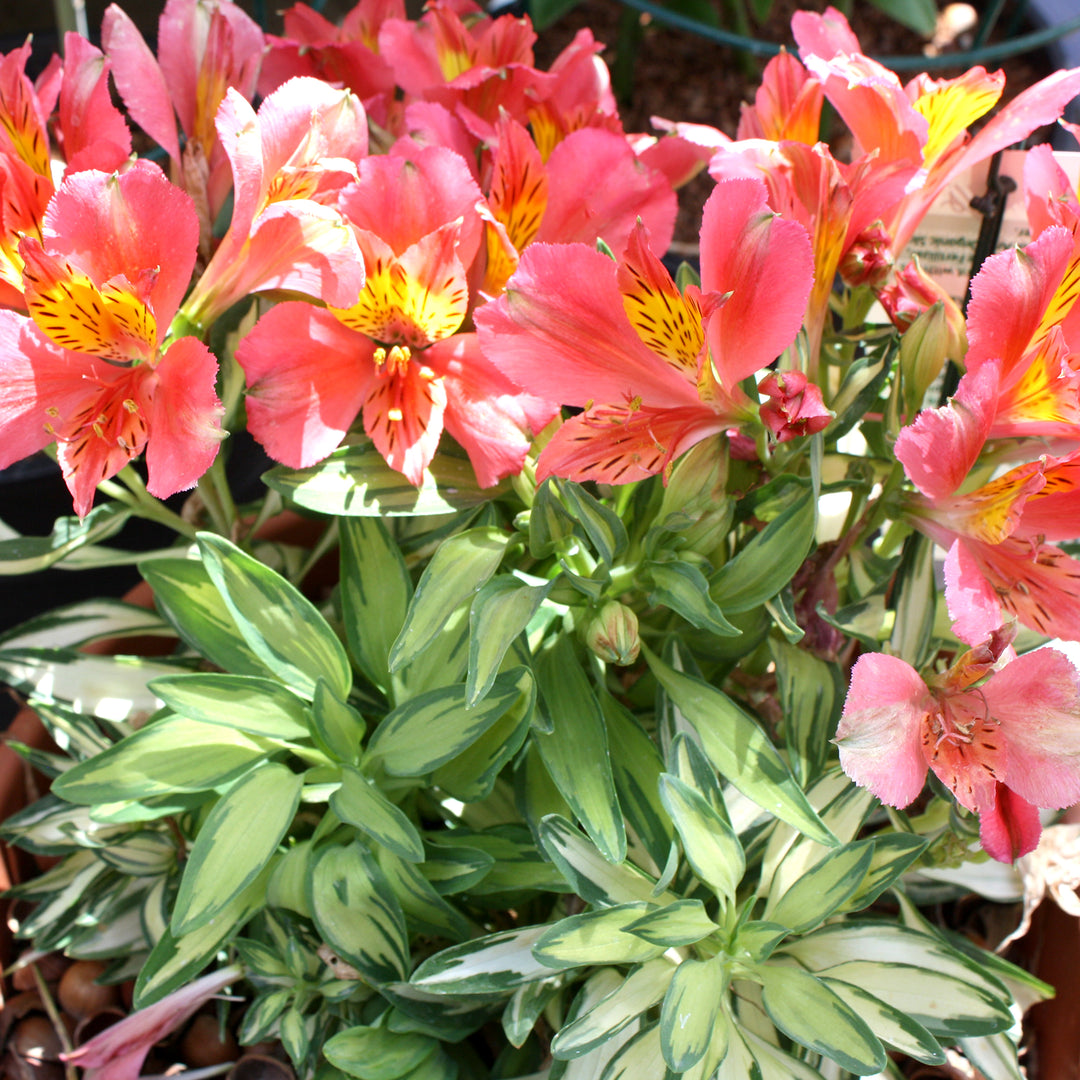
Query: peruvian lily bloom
point(592, 186)
point(787, 105)
point(346, 55)
point(475, 66)
point(92, 369)
point(205, 47)
point(836, 203)
point(118, 1052)
point(89, 133)
point(289, 162)
point(395, 355)
point(1002, 732)
point(924, 122)
point(655, 371)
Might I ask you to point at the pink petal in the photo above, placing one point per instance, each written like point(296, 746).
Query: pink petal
point(307, 377)
point(1021, 281)
point(485, 412)
point(403, 415)
point(401, 199)
point(140, 80)
point(618, 444)
point(1036, 698)
point(93, 130)
point(1010, 828)
point(185, 423)
point(113, 225)
point(1035, 107)
point(940, 447)
point(1046, 188)
point(599, 189)
point(973, 604)
point(746, 250)
point(560, 332)
point(880, 731)
point(823, 35)
point(118, 1052)
point(35, 375)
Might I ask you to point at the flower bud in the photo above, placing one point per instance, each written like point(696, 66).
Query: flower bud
point(869, 259)
point(613, 634)
point(924, 348)
point(696, 504)
point(794, 408)
point(912, 292)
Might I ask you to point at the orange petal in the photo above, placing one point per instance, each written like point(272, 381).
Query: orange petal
point(952, 105)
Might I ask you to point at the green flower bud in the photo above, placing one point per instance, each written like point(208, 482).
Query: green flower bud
point(613, 634)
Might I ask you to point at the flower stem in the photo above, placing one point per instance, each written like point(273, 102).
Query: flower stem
point(141, 503)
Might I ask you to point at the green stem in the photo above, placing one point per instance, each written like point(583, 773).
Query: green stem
point(216, 496)
point(55, 1019)
point(141, 503)
point(328, 540)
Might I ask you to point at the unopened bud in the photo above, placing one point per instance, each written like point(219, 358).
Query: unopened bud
point(696, 506)
point(795, 406)
point(924, 348)
point(613, 634)
point(869, 259)
point(912, 292)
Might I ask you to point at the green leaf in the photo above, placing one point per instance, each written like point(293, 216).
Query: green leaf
point(281, 626)
point(142, 854)
point(602, 526)
point(355, 481)
point(245, 702)
point(578, 734)
point(769, 561)
point(690, 1011)
point(823, 889)
point(187, 597)
point(890, 1025)
point(237, 840)
point(595, 937)
point(808, 700)
point(360, 804)
point(550, 523)
point(806, 1010)
point(636, 768)
point(428, 731)
point(545, 13)
point(78, 624)
point(29, 554)
point(590, 875)
point(338, 727)
point(356, 913)
point(173, 961)
point(994, 1056)
point(641, 1057)
point(683, 588)
point(169, 756)
point(917, 15)
point(454, 869)
point(682, 923)
point(500, 612)
point(375, 593)
point(457, 570)
point(916, 602)
point(288, 884)
point(740, 750)
point(376, 1053)
point(110, 687)
point(893, 853)
point(709, 842)
point(860, 389)
point(489, 965)
point(636, 994)
point(425, 910)
point(524, 1008)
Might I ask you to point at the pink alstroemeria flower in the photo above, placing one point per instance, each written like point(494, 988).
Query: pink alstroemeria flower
point(794, 407)
point(591, 186)
point(345, 55)
point(89, 133)
point(119, 1051)
point(204, 47)
point(91, 369)
point(1002, 734)
point(395, 355)
point(475, 66)
point(289, 162)
point(924, 122)
point(655, 371)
